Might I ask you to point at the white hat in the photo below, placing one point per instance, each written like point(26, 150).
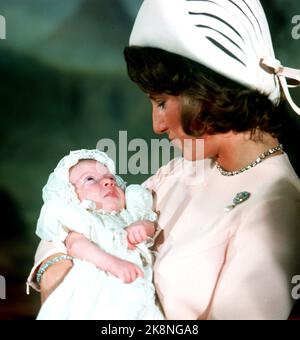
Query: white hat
point(231, 37)
point(59, 188)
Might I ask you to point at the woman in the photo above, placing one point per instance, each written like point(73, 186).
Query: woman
point(230, 245)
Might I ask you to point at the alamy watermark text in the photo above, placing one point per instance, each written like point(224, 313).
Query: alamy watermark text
point(2, 288)
point(2, 27)
point(296, 288)
point(296, 27)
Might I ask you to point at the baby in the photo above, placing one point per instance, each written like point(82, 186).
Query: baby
point(105, 229)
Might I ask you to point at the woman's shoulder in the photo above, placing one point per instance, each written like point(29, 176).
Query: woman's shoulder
point(274, 198)
point(281, 190)
point(281, 179)
point(275, 201)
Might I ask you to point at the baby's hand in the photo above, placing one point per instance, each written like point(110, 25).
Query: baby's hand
point(125, 270)
point(139, 232)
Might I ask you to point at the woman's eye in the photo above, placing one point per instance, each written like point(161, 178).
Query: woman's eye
point(161, 105)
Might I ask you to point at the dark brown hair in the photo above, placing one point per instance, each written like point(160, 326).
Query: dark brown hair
point(211, 103)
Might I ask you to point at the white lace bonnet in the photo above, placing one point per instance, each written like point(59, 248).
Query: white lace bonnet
point(231, 37)
point(59, 188)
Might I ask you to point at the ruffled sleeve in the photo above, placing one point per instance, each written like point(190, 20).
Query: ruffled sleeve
point(57, 219)
point(139, 203)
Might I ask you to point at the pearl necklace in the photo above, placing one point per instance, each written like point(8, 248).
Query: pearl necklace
point(260, 158)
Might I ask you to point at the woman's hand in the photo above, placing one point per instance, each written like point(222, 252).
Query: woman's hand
point(53, 276)
point(139, 232)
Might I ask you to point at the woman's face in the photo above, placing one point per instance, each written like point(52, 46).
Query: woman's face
point(166, 117)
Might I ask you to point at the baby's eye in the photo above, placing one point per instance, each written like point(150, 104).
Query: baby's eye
point(90, 179)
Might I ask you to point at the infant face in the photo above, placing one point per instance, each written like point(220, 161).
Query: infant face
point(93, 181)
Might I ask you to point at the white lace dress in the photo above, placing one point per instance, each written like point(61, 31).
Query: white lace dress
point(88, 292)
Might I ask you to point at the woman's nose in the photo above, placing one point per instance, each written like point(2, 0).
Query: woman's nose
point(158, 121)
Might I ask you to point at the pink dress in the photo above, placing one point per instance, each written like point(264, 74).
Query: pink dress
point(220, 264)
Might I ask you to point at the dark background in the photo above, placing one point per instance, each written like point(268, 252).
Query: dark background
point(63, 87)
